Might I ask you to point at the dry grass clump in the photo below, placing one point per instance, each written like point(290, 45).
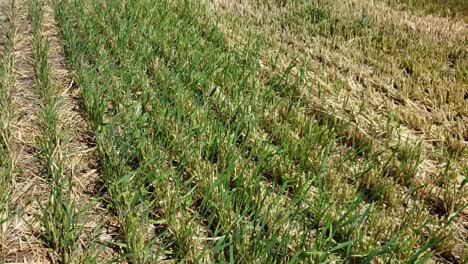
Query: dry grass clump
point(449, 8)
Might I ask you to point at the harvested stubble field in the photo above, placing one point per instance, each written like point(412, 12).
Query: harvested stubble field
point(253, 131)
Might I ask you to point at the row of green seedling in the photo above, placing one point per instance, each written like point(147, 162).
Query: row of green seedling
point(227, 113)
point(399, 162)
point(121, 100)
point(59, 216)
point(113, 38)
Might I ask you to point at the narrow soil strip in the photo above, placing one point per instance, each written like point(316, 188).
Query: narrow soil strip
point(29, 188)
point(81, 160)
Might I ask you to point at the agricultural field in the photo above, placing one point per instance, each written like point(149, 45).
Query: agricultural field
point(233, 131)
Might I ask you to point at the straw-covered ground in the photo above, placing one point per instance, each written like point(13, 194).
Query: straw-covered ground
point(253, 131)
